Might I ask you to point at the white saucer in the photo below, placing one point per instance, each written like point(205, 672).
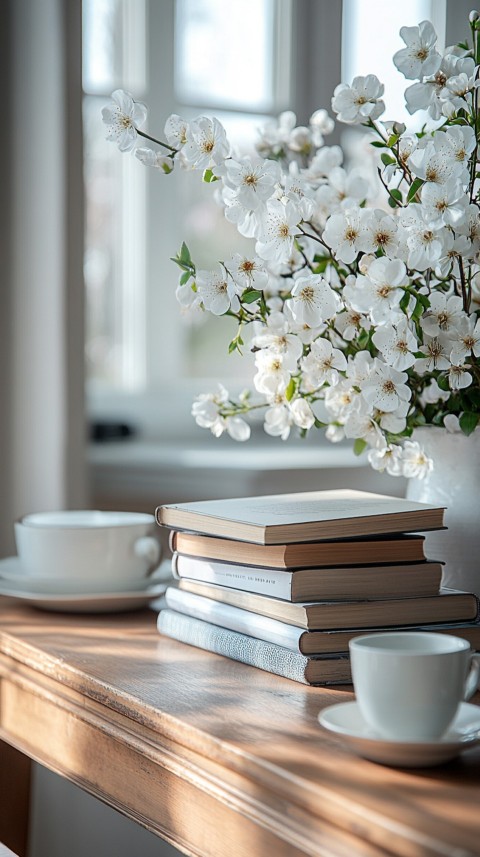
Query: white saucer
point(49, 594)
point(11, 570)
point(346, 720)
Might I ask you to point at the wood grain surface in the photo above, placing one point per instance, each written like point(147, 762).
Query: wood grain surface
point(213, 755)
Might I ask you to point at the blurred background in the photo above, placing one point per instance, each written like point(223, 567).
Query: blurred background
point(97, 366)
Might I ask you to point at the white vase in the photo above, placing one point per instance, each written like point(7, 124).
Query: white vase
point(455, 484)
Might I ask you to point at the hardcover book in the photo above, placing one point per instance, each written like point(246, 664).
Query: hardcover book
point(308, 516)
point(450, 605)
point(367, 551)
point(289, 636)
point(316, 584)
point(266, 656)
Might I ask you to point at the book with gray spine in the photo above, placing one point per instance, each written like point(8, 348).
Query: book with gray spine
point(324, 670)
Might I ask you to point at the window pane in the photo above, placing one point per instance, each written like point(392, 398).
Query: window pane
point(370, 39)
point(113, 45)
point(224, 53)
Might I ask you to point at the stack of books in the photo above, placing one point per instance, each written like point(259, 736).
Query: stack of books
point(284, 582)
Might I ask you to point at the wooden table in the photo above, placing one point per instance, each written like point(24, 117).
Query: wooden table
point(214, 756)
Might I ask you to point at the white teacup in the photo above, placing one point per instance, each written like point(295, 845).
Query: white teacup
point(410, 684)
point(88, 550)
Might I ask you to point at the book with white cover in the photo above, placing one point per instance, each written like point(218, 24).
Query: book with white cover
point(315, 584)
point(307, 516)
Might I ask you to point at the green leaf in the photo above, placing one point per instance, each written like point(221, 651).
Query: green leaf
point(392, 140)
point(418, 309)
point(319, 424)
point(397, 194)
point(185, 278)
point(473, 394)
point(209, 177)
point(469, 422)
point(184, 255)
point(249, 296)
point(442, 382)
point(404, 302)
point(416, 185)
point(387, 159)
point(290, 390)
point(359, 446)
point(395, 198)
point(378, 144)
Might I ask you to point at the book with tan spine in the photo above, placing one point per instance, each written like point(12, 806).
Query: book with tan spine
point(396, 549)
point(450, 605)
point(307, 516)
point(289, 636)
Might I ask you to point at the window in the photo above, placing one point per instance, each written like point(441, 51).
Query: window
point(137, 219)
point(243, 60)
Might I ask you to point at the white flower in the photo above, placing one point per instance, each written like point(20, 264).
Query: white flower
point(206, 410)
point(378, 292)
point(322, 163)
point(415, 463)
point(237, 428)
point(423, 238)
point(217, 291)
point(445, 204)
point(253, 183)
point(386, 458)
point(299, 192)
point(434, 162)
point(359, 102)
point(247, 271)
point(466, 340)
point(273, 375)
point(451, 423)
point(460, 141)
point(176, 130)
point(454, 249)
point(150, 158)
point(344, 234)
point(471, 227)
point(395, 421)
point(419, 58)
point(278, 421)
point(344, 190)
point(437, 354)
point(456, 90)
point(444, 314)
point(385, 388)
point(123, 115)
point(432, 394)
point(396, 344)
point(341, 400)
point(350, 323)
point(320, 124)
point(380, 233)
point(312, 301)
point(459, 377)
point(323, 364)
point(278, 228)
point(288, 345)
point(206, 144)
point(302, 413)
point(431, 93)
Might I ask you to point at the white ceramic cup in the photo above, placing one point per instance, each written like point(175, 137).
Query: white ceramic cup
point(409, 685)
point(88, 550)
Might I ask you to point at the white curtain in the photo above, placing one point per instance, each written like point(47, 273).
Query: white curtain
point(42, 422)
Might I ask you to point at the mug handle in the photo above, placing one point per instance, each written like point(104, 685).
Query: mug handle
point(149, 548)
point(472, 680)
